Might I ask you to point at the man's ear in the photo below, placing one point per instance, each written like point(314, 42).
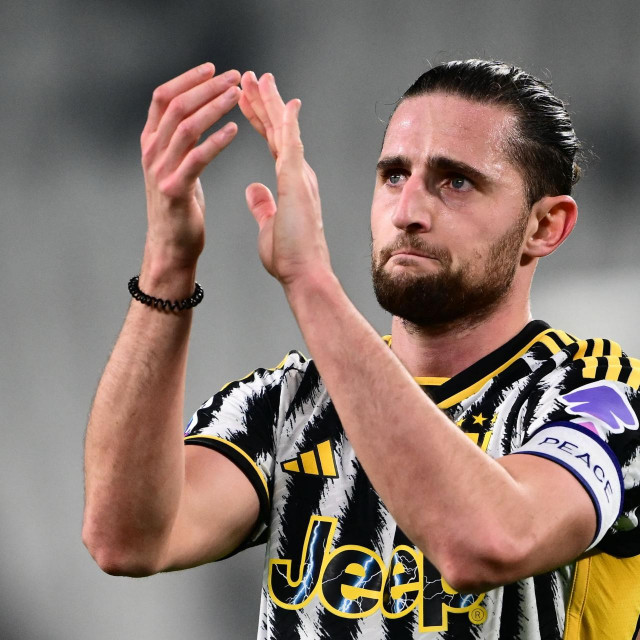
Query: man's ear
point(552, 220)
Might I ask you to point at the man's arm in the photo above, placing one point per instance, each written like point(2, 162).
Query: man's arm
point(482, 522)
point(151, 505)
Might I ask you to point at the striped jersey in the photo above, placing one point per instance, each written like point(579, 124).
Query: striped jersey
point(337, 565)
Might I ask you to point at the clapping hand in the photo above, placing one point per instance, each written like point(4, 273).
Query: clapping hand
point(291, 239)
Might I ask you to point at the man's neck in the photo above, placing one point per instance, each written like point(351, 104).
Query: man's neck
point(446, 351)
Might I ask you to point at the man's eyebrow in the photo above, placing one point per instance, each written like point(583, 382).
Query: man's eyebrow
point(443, 163)
point(435, 163)
point(393, 162)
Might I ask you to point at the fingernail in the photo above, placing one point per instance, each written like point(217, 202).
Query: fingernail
point(204, 68)
point(229, 76)
point(228, 129)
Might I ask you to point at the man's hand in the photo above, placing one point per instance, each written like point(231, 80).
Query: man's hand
point(291, 238)
point(180, 112)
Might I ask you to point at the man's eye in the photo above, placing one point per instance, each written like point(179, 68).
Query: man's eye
point(394, 178)
point(460, 183)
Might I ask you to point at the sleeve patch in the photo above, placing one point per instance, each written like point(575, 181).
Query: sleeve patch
point(602, 406)
point(590, 460)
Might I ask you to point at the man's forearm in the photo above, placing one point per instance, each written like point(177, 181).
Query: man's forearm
point(387, 417)
point(134, 455)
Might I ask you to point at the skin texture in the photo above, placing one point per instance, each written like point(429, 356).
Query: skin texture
point(150, 507)
point(439, 269)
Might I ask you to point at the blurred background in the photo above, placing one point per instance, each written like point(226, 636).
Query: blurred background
point(76, 79)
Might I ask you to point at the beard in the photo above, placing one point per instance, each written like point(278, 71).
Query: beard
point(449, 296)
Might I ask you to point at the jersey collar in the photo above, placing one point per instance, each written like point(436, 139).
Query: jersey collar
point(447, 392)
point(473, 378)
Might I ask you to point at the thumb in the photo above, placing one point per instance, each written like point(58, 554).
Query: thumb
point(260, 202)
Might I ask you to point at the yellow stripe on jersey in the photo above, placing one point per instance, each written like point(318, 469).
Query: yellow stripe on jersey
point(550, 343)
point(325, 454)
point(590, 367)
point(291, 465)
point(605, 599)
point(614, 367)
point(560, 338)
point(257, 469)
point(616, 349)
point(598, 347)
point(565, 338)
point(613, 372)
point(309, 464)
point(634, 378)
point(582, 349)
point(429, 381)
point(465, 393)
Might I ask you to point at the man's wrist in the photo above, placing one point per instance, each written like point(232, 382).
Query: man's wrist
point(168, 279)
point(318, 284)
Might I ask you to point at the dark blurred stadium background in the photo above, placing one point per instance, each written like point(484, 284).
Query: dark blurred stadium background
point(76, 80)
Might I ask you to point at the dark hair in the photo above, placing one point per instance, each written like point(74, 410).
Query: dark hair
point(544, 145)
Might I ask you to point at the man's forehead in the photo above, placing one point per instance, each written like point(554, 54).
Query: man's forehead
point(443, 124)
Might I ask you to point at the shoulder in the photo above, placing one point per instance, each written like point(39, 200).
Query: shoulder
point(576, 362)
point(257, 393)
point(290, 371)
point(590, 378)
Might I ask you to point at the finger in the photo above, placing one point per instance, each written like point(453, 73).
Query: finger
point(273, 105)
point(199, 157)
point(260, 202)
point(188, 132)
point(251, 89)
point(163, 94)
point(188, 102)
point(249, 84)
point(292, 148)
point(249, 114)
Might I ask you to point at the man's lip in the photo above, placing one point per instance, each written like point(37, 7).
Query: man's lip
point(411, 252)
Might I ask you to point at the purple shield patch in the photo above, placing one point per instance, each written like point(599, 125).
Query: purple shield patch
point(604, 404)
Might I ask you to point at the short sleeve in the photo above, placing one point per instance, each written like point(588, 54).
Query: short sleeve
point(585, 418)
point(242, 420)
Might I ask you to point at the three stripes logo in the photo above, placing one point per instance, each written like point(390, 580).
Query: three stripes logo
point(318, 461)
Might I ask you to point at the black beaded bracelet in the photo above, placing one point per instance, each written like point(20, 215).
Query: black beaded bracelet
point(165, 305)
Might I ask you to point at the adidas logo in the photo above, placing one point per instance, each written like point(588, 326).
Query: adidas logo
point(319, 461)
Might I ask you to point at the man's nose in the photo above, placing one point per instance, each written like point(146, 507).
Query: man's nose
point(413, 207)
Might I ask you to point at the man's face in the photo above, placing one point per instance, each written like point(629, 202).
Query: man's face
point(448, 217)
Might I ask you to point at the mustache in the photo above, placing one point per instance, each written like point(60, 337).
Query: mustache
point(407, 241)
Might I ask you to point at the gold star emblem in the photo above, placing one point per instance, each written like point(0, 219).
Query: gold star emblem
point(479, 419)
point(459, 421)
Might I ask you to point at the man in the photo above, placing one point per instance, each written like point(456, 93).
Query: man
point(407, 487)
